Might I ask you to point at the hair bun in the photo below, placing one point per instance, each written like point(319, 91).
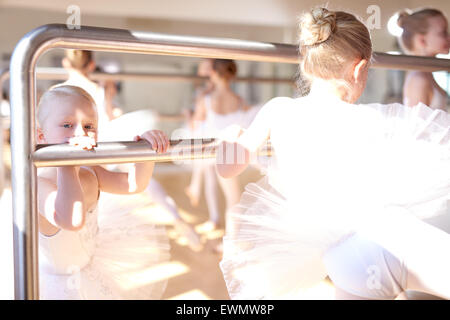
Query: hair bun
point(317, 26)
point(402, 16)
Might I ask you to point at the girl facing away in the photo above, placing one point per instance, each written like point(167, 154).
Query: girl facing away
point(348, 185)
point(425, 33)
point(86, 254)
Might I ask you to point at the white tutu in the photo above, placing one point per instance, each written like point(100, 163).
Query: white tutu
point(128, 125)
point(116, 255)
point(343, 167)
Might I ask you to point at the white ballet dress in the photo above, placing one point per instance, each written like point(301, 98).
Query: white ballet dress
point(335, 168)
point(116, 255)
point(216, 122)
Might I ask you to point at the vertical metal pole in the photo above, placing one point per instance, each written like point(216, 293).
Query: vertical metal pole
point(23, 177)
point(2, 164)
point(3, 76)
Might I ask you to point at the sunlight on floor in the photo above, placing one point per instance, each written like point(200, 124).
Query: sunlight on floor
point(155, 274)
point(324, 290)
point(191, 295)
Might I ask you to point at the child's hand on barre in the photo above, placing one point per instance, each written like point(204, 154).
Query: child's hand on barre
point(157, 139)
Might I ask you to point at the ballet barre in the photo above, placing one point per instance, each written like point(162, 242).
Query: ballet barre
point(62, 74)
point(23, 101)
point(129, 151)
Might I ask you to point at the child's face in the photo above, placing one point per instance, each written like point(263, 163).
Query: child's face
point(437, 37)
point(68, 117)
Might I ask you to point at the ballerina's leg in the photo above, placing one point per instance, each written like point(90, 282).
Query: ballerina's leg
point(194, 188)
point(231, 190)
point(424, 250)
point(391, 256)
point(159, 195)
point(211, 193)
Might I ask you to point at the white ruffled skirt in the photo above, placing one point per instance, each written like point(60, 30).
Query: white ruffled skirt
point(119, 254)
point(277, 235)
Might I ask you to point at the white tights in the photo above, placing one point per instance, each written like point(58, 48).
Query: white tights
point(159, 196)
point(230, 187)
point(395, 254)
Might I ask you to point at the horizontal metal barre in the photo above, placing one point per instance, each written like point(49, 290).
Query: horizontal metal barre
point(406, 62)
point(128, 152)
point(61, 74)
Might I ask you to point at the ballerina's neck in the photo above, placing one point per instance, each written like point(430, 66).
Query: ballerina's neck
point(76, 75)
point(327, 90)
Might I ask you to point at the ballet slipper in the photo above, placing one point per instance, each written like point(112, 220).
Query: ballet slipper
point(185, 230)
point(193, 198)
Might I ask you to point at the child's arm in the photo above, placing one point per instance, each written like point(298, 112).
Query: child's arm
point(63, 204)
point(245, 142)
point(138, 177)
point(418, 89)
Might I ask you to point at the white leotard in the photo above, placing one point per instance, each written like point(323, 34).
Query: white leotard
point(215, 122)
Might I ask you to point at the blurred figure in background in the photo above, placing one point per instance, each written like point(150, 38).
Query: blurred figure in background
point(425, 33)
point(196, 127)
point(219, 108)
point(80, 64)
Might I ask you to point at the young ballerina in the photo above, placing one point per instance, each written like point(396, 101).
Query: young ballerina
point(79, 64)
point(348, 185)
point(219, 108)
point(425, 33)
point(85, 254)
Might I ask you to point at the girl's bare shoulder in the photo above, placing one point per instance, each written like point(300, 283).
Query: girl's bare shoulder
point(418, 79)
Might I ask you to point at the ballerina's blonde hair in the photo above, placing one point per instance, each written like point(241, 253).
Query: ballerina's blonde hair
point(329, 41)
